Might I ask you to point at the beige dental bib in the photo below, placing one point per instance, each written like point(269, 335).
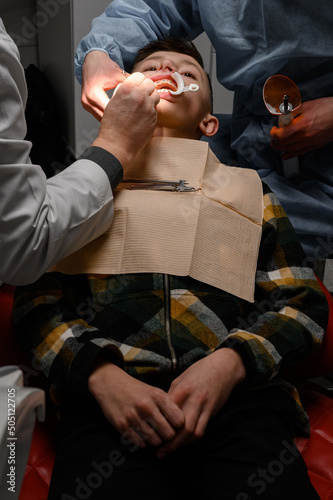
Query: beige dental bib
point(211, 233)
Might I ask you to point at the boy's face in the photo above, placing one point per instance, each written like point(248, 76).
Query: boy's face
point(178, 115)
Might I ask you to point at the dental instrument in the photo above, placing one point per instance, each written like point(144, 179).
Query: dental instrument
point(282, 97)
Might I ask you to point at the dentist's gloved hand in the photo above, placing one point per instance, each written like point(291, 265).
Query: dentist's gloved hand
point(129, 119)
point(99, 74)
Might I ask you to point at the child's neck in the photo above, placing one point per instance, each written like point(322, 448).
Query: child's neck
point(170, 132)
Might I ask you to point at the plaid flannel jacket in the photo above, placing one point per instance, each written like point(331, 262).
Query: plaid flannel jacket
point(64, 322)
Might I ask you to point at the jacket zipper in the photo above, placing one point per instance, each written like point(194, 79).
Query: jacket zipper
point(166, 285)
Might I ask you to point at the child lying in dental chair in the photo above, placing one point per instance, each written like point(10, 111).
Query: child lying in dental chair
point(168, 335)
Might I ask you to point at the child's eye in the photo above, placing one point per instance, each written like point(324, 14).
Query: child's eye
point(189, 75)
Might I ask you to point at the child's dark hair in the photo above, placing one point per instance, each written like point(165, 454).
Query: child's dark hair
point(174, 45)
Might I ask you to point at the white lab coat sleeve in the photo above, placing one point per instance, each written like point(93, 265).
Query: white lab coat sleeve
point(43, 220)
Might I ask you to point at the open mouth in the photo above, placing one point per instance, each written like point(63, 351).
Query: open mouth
point(165, 83)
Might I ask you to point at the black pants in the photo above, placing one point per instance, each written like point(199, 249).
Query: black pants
point(247, 453)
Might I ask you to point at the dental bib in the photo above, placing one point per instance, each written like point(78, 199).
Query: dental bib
point(211, 231)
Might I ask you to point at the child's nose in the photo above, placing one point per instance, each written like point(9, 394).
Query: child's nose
point(169, 65)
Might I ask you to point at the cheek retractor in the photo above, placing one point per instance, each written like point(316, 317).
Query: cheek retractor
point(181, 87)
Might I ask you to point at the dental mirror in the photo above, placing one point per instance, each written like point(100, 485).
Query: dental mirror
point(282, 97)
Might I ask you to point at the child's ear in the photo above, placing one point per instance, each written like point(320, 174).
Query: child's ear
point(209, 125)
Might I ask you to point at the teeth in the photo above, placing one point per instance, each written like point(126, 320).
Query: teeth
point(165, 84)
